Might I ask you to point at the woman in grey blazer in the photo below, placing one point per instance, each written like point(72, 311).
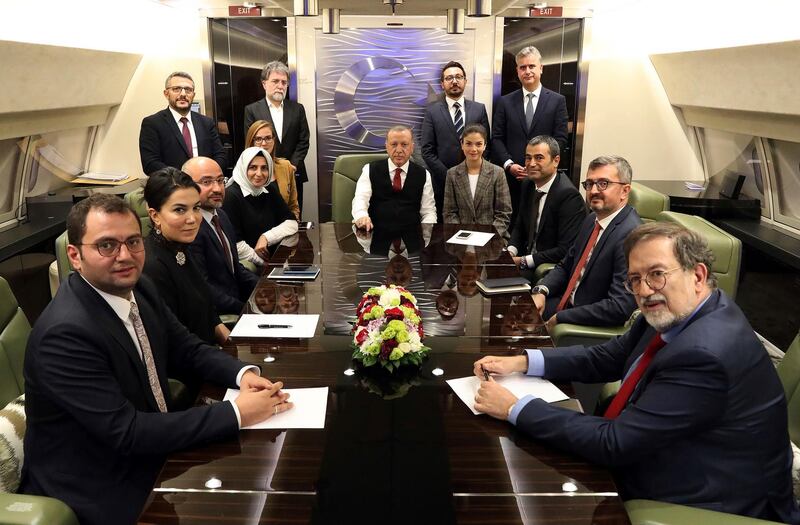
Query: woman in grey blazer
point(475, 191)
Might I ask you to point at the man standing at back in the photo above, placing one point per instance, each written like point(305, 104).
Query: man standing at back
point(214, 248)
point(588, 286)
point(443, 127)
point(525, 113)
point(288, 119)
point(550, 209)
point(176, 134)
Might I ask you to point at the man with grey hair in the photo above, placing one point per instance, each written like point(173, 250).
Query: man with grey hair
point(527, 112)
point(176, 134)
point(588, 286)
point(288, 118)
point(700, 418)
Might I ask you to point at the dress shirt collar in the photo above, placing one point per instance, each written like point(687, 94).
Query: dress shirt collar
point(177, 116)
point(392, 167)
point(545, 188)
point(120, 305)
point(450, 103)
point(608, 220)
point(537, 92)
point(272, 106)
point(208, 215)
point(673, 332)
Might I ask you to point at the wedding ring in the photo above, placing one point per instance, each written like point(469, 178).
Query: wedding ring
point(276, 410)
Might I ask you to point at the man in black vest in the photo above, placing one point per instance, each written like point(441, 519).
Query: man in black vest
point(395, 193)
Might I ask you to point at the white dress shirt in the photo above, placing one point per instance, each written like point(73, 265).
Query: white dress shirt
point(360, 208)
point(544, 188)
point(276, 112)
point(207, 216)
point(177, 116)
point(451, 103)
point(537, 94)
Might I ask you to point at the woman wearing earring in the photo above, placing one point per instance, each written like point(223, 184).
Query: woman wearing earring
point(173, 200)
point(255, 207)
point(475, 191)
point(262, 135)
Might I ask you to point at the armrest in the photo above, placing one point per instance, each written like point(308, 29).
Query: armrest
point(22, 509)
point(541, 271)
point(566, 334)
point(647, 512)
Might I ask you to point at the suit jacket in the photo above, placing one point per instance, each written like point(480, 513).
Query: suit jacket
point(294, 141)
point(95, 438)
point(510, 135)
point(161, 142)
point(706, 426)
point(229, 291)
point(491, 204)
point(601, 298)
point(558, 224)
point(441, 147)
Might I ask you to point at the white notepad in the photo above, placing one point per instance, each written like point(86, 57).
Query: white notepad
point(310, 405)
point(299, 325)
point(519, 384)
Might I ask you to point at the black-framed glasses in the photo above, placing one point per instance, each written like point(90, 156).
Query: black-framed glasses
point(111, 247)
point(452, 78)
point(176, 90)
point(656, 280)
point(261, 140)
point(601, 184)
point(207, 183)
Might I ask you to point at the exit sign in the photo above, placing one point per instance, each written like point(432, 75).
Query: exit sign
point(547, 11)
point(240, 10)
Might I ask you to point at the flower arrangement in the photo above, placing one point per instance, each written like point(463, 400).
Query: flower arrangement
point(389, 329)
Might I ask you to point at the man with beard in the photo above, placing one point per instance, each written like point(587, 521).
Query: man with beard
point(288, 119)
point(214, 248)
point(700, 418)
point(176, 134)
point(443, 127)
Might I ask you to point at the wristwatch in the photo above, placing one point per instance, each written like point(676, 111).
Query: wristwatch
point(539, 289)
point(523, 263)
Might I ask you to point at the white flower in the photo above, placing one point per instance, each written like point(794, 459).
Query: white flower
point(404, 347)
point(415, 341)
point(389, 298)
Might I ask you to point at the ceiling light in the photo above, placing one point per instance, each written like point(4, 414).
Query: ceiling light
point(330, 21)
point(306, 8)
point(455, 21)
point(479, 7)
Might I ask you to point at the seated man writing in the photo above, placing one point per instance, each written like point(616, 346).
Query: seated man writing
point(700, 418)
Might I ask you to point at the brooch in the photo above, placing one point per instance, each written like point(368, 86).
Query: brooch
point(180, 258)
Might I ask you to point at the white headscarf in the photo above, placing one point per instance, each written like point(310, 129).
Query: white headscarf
point(240, 172)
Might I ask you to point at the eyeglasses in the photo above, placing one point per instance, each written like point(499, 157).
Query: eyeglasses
point(601, 184)
point(111, 247)
point(261, 140)
point(656, 280)
point(207, 183)
point(176, 90)
point(454, 78)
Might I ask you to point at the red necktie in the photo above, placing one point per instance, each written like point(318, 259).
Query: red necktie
point(579, 268)
point(628, 386)
point(226, 252)
point(396, 183)
point(187, 136)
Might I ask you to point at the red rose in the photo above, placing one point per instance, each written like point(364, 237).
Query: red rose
point(393, 314)
point(361, 337)
point(387, 347)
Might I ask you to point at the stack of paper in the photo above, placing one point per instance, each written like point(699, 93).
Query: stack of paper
point(519, 384)
point(276, 325)
point(310, 405)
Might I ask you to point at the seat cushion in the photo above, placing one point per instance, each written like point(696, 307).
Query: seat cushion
point(12, 433)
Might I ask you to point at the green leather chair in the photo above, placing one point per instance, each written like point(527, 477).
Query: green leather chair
point(346, 171)
point(647, 202)
point(646, 512)
point(136, 200)
point(19, 509)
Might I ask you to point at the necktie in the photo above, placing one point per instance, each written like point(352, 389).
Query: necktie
point(187, 136)
point(147, 355)
point(534, 225)
point(529, 110)
point(397, 184)
point(628, 386)
point(580, 266)
point(226, 251)
point(458, 120)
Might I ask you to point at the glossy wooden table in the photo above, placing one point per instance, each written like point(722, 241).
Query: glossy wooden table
point(395, 449)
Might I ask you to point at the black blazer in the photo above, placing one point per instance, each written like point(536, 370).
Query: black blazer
point(441, 148)
point(561, 217)
point(295, 135)
point(706, 426)
point(95, 438)
point(161, 142)
point(601, 298)
point(229, 291)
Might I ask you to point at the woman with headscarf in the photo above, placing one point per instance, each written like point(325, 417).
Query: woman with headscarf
point(255, 206)
point(262, 134)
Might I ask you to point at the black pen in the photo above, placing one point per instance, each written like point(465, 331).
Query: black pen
point(485, 373)
point(274, 326)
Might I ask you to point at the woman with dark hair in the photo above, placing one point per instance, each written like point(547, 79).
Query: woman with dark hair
point(476, 191)
point(255, 207)
point(261, 134)
point(173, 200)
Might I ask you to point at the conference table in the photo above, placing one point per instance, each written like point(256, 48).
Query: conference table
point(396, 448)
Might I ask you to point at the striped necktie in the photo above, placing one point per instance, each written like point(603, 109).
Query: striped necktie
point(458, 120)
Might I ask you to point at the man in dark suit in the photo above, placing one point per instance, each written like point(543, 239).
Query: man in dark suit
point(176, 134)
point(443, 127)
point(394, 194)
point(214, 248)
point(700, 418)
point(100, 419)
point(288, 119)
point(592, 274)
point(550, 212)
point(525, 113)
